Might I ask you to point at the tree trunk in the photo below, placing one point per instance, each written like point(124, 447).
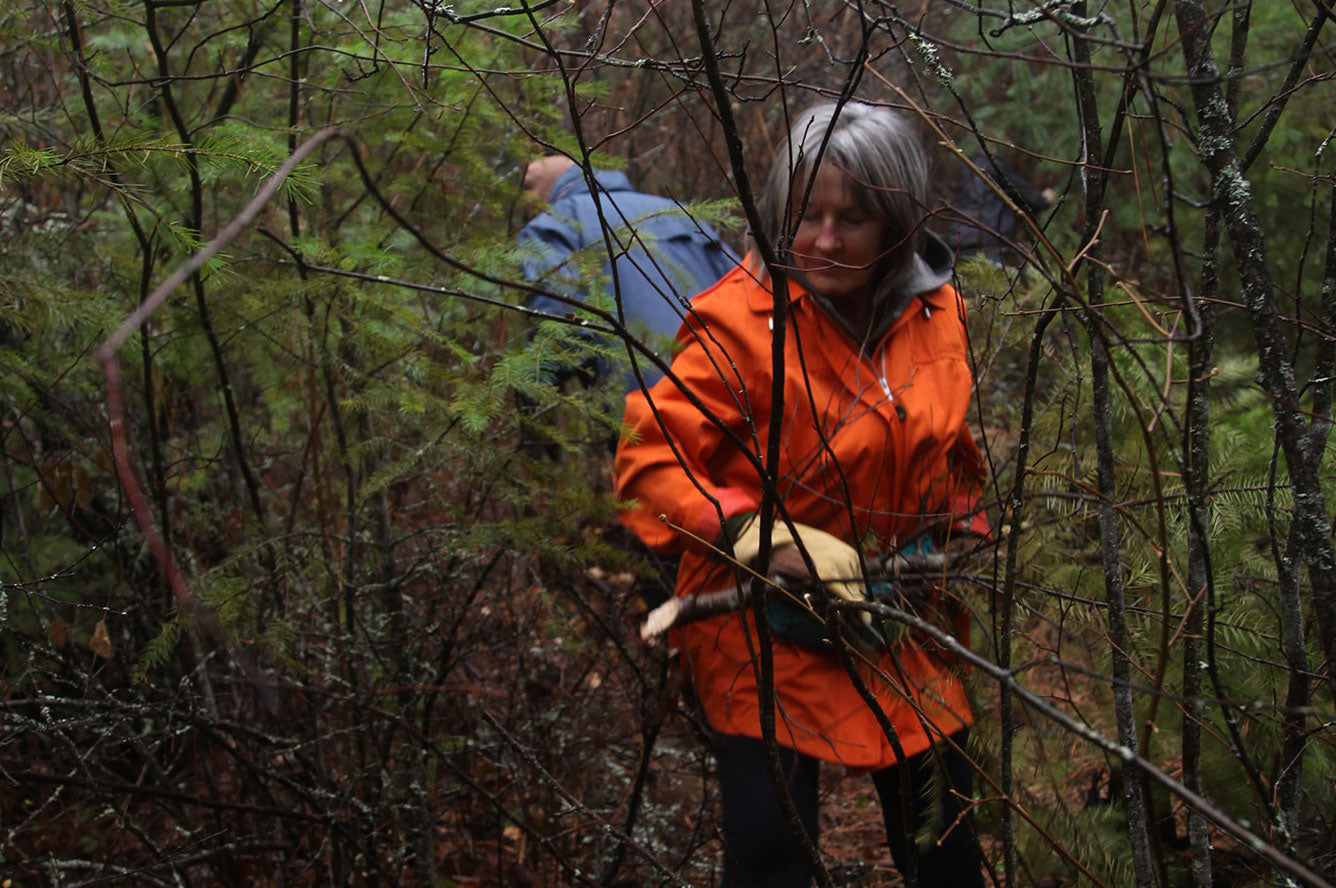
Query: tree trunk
point(1233, 193)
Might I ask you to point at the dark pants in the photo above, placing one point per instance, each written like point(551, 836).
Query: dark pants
point(761, 852)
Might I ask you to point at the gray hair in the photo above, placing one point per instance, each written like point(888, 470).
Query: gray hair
point(886, 166)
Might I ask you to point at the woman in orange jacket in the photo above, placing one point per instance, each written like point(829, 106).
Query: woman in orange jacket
point(874, 453)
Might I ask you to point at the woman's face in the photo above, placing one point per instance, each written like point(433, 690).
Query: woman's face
point(837, 245)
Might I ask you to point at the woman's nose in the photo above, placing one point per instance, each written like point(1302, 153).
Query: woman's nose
point(827, 235)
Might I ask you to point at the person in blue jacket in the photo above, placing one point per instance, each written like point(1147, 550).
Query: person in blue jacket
point(661, 257)
point(982, 223)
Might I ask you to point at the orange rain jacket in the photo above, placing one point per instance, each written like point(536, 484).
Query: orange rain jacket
point(901, 461)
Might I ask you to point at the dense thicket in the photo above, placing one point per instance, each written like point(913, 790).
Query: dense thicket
point(310, 577)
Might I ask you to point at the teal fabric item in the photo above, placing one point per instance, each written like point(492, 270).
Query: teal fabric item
point(796, 624)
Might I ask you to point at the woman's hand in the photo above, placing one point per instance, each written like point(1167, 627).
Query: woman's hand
point(837, 563)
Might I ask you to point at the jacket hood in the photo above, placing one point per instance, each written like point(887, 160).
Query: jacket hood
point(931, 269)
point(573, 182)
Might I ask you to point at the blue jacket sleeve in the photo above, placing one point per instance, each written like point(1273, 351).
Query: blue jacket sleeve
point(546, 248)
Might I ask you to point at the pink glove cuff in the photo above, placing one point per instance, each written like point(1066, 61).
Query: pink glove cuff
point(970, 518)
point(732, 501)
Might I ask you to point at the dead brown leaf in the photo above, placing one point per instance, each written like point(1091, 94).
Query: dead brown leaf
point(100, 643)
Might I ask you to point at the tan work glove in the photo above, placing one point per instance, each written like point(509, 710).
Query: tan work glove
point(837, 563)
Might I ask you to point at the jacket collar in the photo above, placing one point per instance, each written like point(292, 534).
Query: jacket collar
point(573, 182)
point(932, 269)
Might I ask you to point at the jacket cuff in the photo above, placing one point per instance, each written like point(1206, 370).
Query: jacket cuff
point(733, 501)
point(967, 518)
